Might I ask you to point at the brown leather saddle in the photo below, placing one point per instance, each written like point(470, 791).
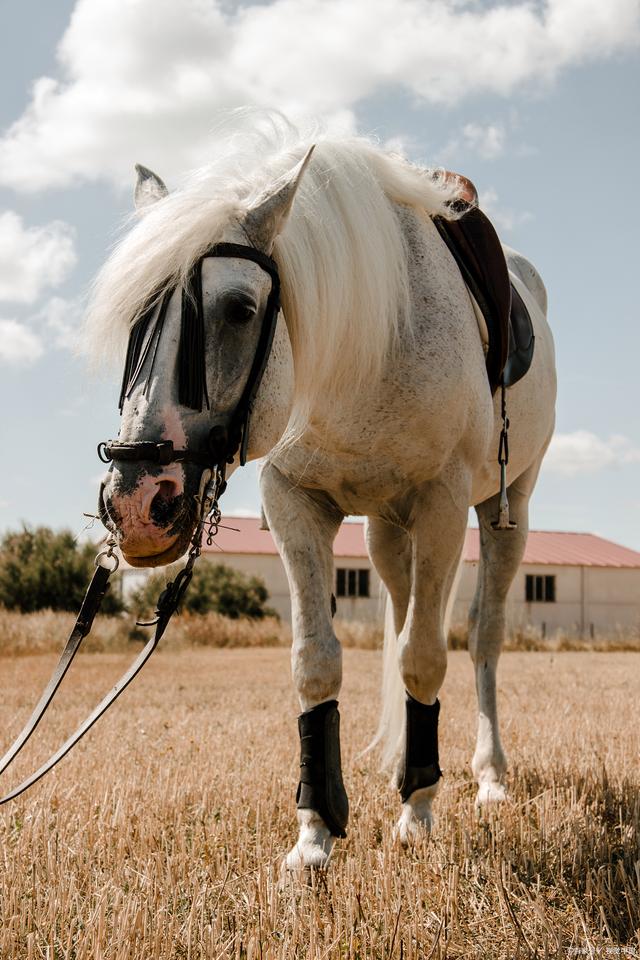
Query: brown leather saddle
point(474, 244)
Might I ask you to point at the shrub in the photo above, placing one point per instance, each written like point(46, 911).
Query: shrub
point(214, 588)
point(42, 569)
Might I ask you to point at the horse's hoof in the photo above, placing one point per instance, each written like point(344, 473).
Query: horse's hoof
point(416, 819)
point(314, 846)
point(410, 829)
point(490, 792)
point(307, 856)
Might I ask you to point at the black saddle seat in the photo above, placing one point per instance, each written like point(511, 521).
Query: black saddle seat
point(476, 248)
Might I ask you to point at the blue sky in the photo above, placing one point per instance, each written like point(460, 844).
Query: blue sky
point(536, 102)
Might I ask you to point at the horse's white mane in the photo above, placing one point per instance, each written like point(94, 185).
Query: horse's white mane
point(341, 256)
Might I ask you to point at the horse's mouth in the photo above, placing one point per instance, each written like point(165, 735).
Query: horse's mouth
point(163, 546)
point(154, 543)
point(163, 557)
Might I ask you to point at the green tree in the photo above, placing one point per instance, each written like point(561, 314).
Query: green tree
point(214, 588)
point(44, 569)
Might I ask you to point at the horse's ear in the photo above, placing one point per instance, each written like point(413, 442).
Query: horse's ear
point(266, 219)
point(149, 187)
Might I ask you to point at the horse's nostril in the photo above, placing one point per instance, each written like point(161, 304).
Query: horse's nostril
point(166, 503)
point(166, 490)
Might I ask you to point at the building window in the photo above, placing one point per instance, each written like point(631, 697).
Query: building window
point(352, 583)
point(539, 589)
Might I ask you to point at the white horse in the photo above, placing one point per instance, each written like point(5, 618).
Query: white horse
point(375, 401)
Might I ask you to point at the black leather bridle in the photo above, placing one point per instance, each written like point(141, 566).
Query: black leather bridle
point(223, 443)
point(224, 440)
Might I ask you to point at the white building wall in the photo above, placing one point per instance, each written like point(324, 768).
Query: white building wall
point(588, 599)
point(371, 608)
point(612, 597)
point(271, 570)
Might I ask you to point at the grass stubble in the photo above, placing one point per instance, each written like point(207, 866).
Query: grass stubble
point(161, 835)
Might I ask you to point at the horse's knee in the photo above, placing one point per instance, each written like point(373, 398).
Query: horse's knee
point(422, 667)
point(317, 670)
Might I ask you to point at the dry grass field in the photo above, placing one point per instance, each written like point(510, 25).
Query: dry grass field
point(23, 634)
point(161, 835)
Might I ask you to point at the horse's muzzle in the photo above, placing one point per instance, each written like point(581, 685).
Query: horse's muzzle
point(150, 512)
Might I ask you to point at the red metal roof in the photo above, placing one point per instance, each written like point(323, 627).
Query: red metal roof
point(242, 535)
point(564, 549)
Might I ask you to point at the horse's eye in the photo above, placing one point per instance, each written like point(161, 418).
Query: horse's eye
point(239, 312)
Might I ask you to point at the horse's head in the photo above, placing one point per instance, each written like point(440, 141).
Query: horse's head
point(189, 363)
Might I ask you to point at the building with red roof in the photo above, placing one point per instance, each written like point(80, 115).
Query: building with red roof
point(576, 582)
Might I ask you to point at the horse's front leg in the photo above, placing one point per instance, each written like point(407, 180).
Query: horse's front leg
point(437, 537)
point(304, 525)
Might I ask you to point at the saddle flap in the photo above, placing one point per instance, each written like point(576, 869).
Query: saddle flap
point(476, 248)
point(521, 340)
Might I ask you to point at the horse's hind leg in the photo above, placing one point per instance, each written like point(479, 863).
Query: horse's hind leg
point(501, 553)
point(436, 533)
point(389, 547)
point(304, 525)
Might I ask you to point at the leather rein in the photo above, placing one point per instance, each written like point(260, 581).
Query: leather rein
point(224, 442)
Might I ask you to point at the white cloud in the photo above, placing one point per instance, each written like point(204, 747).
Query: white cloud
point(487, 141)
point(61, 319)
point(55, 324)
point(19, 346)
point(33, 258)
point(504, 218)
point(584, 452)
point(145, 85)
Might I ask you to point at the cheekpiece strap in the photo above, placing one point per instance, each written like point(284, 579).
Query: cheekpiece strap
point(192, 381)
point(239, 426)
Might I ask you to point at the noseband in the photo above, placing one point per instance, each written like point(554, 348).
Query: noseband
point(225, 439)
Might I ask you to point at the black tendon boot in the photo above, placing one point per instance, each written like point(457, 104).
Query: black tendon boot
point(420, 765)
point(321, 787)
